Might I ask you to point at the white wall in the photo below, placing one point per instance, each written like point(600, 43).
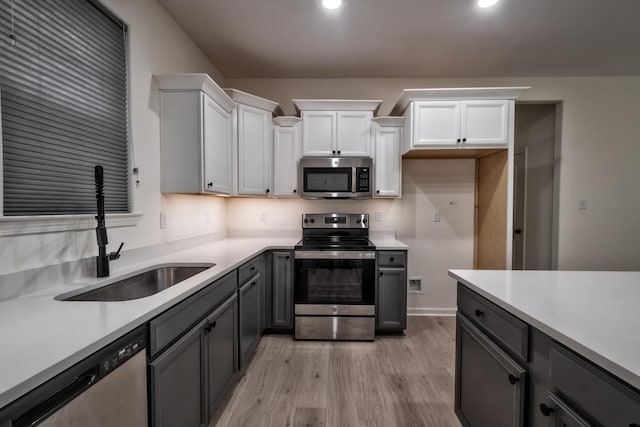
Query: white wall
point(156, 45)
point(445, 185)
point(598, 155)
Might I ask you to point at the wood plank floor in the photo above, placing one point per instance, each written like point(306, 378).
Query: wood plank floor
point(394, 381)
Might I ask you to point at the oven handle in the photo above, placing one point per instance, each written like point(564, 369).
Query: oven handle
point(335, 255)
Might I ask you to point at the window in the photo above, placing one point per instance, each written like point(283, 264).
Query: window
point(63, 107)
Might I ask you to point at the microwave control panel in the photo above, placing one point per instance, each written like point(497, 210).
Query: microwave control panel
point(362, 180)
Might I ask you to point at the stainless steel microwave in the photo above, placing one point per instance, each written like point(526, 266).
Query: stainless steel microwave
point(336, 178)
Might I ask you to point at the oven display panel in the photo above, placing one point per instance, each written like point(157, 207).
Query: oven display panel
point(335, 220)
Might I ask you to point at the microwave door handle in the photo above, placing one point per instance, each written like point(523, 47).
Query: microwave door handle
point(354, 179)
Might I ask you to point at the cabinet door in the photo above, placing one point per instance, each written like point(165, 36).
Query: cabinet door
point(249, 318)
point(489, 386)
point(280, 299)
point(254, 151)
point(286, 154)
point(388, 162)
point(436, 123)
point(391, 308)
point(217, 140)
point(318, 133)
point(222, 353)
point(485, 123)
point(176, 382)
point(354, 134)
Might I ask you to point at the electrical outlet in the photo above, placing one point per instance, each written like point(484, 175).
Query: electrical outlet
point(263, 216)
point(582, 205)
point(163, 220)
point(207, 217)
point(436, 216)
point(378, 216)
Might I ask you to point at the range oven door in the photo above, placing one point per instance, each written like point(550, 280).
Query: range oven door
point(334, 277)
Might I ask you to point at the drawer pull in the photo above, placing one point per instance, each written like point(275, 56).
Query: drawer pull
point(479, 313)
point(211, 326)
point(391, 259)
point(546, 411)
point(252, 269)
point(513, 379)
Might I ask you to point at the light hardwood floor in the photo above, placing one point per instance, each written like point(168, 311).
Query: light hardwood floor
point(394, 381)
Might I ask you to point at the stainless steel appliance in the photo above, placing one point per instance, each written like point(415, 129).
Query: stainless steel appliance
point(109, 388)
point(334, 285)
point(336, 178)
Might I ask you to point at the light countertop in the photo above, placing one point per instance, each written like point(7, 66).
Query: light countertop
point(594, 313)
point(41, 336)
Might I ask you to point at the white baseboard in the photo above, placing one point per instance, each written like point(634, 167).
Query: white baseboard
point(431, 311)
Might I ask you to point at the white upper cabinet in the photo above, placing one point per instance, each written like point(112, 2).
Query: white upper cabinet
point(319, 133)
point(436, 123)
point(387, 159)
point(445, 118)
point(286, 155)
point(336, 128)
point(196, 135)
point(485, 122)
point(254, 133)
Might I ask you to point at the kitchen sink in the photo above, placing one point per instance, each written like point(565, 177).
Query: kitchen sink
point(142, 284)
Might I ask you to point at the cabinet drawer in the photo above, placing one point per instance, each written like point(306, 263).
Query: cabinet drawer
point(593, 393)
point(392, 258)
point(510, 332)
point(168, 326)
point(250, 269)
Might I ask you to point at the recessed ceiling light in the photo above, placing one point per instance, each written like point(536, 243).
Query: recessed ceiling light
point(332, 4)
point(486, 3)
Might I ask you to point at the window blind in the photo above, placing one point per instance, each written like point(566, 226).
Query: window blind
point(63, 88)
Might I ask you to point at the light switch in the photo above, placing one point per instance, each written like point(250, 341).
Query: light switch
point(378, 216)
point(436, 216)
point(582, 205)
point(163, 220)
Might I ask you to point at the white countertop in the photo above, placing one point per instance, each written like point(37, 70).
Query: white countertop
point(41, 336)
point(594, 313)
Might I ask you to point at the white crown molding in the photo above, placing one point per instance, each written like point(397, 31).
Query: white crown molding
point(439, 94)
point(252, 100)
point(337, 104)
point(195, 81)
point(22, 225)
point(286, 121)
point(389, 121)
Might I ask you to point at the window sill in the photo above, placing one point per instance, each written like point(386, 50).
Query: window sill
point(22, 225)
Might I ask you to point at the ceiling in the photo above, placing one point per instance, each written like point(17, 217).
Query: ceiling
point(414, 38)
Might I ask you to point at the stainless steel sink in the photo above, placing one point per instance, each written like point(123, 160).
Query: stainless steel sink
point(145, 283)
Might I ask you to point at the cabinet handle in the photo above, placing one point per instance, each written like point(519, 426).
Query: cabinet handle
point(338, 151)
point(513, 379)
point(464, 139)
point(458, 140)
point(334, 151)
point(210, 184)
point(377, 191)
point(295, 191)
point(546, 411)
point(381, 273)
point(479, 312)
point(391, 259)
point(288, 257)
point(252, 269)
point(254, 283)
point(267, 191)
point(211, 326)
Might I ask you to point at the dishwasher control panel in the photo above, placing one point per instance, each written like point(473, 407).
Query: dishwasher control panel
point(123, 353)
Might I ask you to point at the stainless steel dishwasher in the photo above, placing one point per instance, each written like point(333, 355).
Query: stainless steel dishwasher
point(109, 388)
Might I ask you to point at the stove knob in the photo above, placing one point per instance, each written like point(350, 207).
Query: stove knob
point(306, 221)
point(358, 220)
point(364, 220)
point(312, 220)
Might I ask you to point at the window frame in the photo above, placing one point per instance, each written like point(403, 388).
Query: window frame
point(15, 225)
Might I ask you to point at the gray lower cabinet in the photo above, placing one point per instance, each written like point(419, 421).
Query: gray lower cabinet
point(222, 353)
point(490, 385)
point(279, 299)
point(510, 374)
point(176, 382)
point(391, 298)
point(250, 314)
point(188, 381)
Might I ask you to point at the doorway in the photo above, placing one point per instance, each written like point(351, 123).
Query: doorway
point(535, 176)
